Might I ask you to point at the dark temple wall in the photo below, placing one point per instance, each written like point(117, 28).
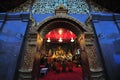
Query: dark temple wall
point(107, 30)
point(6, 5)
point(12, 34)
point(113, 5)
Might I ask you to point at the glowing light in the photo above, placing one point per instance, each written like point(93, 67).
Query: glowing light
point(61, 35)
point(72, 40)
point(48, 40)
point(60, 31)
point(71, 32)
point(60, 40)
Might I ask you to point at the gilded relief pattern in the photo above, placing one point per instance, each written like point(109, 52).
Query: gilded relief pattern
point(29, 57)
point(92, 57)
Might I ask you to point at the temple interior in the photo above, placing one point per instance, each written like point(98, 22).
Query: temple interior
point(59, 40)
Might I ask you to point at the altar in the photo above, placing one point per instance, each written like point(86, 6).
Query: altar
point(61, 55)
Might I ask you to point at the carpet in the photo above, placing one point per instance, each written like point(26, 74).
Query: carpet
point(76, 74)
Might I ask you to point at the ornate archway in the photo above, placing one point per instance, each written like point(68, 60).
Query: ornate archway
point(62, 20)
point(85, 39)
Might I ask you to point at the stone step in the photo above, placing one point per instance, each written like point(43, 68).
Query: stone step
point(25, 77)
point(25, 74)
point(97, 74)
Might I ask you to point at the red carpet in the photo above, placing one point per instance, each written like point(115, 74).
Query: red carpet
point(75, 75)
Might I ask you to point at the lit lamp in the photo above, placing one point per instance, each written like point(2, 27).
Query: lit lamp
point(60, 31)
point(48, 40)
point(60, 40)
point(72, 40)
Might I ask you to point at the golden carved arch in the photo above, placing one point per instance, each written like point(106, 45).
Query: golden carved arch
point(62, 20)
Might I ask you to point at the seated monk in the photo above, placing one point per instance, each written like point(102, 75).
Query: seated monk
point(70, 65)
point(57, 66)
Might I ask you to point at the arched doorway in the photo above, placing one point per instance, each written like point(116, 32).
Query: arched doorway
point(70, 24)
point(36, 40)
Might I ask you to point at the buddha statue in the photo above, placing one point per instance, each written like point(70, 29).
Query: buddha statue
point(60, 53)
point(69, 55)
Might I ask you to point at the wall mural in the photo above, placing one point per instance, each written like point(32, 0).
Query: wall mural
point(46, 6)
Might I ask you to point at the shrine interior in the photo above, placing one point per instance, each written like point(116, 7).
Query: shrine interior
point(59, 39)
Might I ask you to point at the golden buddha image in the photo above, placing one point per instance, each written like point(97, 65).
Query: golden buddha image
point(59, 53)
point(69, 55)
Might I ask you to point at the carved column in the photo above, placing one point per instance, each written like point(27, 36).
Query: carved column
point(25, 71)
point(39, 42)
point(96, 69)
point(84, 57)
point(29, 56)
